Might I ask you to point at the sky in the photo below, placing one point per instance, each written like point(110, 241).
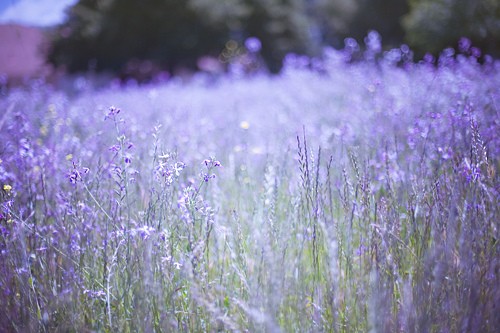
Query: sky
point(33, 12)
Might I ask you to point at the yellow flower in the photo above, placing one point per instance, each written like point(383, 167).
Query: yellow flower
point(7, 188)
point(245, 125)
point(69, 157)
point(44, 130)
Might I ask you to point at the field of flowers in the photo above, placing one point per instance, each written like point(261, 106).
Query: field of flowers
point(334, 197)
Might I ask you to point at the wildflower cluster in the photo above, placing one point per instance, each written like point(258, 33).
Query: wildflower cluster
point(109, 230)
point(210, 164)
point(113, 111)
point(167, 170)
point(7, 188)
point(75, 174)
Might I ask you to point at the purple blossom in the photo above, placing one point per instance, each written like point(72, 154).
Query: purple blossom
point(114, 148)
point(206, 177)
point(211, 163)
point(95, 294)
point(253, 44)
point(144, 232)
point(464, 45)
point(75, 175)
point(112, 112)
point(389, 210)
point(470, 171)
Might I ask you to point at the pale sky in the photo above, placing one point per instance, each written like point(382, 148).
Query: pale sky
point(33, 12)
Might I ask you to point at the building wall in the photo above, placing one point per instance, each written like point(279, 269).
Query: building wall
point(21, 53)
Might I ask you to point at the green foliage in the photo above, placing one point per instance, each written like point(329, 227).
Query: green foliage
point(104, 35)
point(357, 18)
point(333, 18)
point(111, 35)
point(381, 215)
point(433, 25)
point(280, 25)
point(384, 16)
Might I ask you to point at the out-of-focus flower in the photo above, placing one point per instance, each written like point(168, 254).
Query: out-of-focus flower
point(470, 171)
point(446, 153)
point(177, 168)
point(253, 44)
point(245, 125)
point(112, 111)
point(94, 294)
point(211, 163)
point(464, 45)
point(114, 148)
point(75, 175)
point(207, 177)
point(168, 172)
point(144, 232)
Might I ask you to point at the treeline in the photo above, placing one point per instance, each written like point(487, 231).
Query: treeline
point(110, 35)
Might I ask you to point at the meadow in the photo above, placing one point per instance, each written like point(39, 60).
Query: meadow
point(337, 196)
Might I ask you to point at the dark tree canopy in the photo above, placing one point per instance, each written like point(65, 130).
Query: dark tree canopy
point(107, 35)
point(433, 25)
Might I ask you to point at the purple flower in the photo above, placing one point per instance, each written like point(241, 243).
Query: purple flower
point(470, 171)
point(112, 111)
point(207, 177)
point(145, 231)
point(475, 52)
point(94, 294)
point(75, 175)
point(253, 44)
point(211, 163)
point(114, 148)
point(464, 45)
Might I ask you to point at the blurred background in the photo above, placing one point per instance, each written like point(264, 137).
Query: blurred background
point(142, 39)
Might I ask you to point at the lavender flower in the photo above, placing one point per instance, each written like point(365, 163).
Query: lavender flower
point(253, 44)
point(112, 112)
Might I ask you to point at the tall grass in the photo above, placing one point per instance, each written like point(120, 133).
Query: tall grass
point(359, 197)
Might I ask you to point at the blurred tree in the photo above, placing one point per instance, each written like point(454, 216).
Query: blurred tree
point(106, 34)
point(434, 25)
point(73, 43)
point(281, 25)
point(340, 19)
point(112, 34)
point(383, 16)
point(334, 19)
